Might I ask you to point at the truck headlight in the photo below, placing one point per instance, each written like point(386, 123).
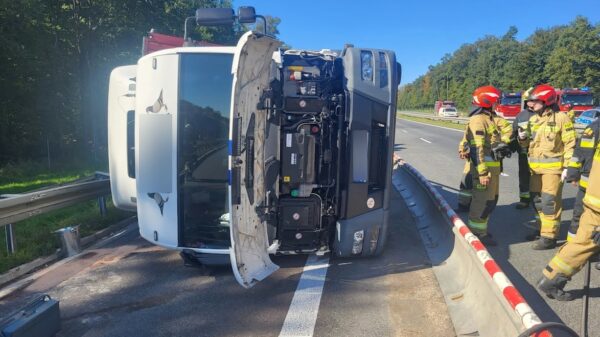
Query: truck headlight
point(357, 243)
point(366, 65)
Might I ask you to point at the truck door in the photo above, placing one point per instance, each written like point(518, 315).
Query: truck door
point(251, 67)
point(156, 148)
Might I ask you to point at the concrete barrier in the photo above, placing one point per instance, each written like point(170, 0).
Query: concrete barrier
point(481, 299)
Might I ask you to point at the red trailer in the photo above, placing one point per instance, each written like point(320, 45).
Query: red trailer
point(156, 41)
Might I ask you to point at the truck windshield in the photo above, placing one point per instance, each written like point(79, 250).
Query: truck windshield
point(579, 99)
point(511, 100)
point(203, 132)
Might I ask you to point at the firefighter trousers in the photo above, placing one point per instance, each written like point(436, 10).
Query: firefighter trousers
point(466, 187)
point(524, 177)
point(484, 200)
point(571, 257)
point(546, 190)
point(577, 212)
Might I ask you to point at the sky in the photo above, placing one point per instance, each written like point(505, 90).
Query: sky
point(421, 32)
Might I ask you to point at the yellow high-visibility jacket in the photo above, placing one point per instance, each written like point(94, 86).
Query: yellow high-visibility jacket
point(551, 141)
point(483, 134)
point(592, 194)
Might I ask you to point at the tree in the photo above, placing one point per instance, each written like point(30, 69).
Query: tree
point(564, 56)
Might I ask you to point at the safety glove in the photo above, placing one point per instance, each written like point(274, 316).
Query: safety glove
point(596, 236)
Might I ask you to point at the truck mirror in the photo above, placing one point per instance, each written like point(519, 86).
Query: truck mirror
point(246, 14)
point(399, 68)
point(214, 16)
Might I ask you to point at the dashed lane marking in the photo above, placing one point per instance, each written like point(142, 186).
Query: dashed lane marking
point(302, 314)
point(425, 140)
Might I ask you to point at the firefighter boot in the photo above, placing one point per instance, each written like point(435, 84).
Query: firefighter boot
point(523, 204)
point(554, 288)
point(544, 243)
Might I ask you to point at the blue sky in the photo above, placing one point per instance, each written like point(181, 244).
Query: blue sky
point(420, 32)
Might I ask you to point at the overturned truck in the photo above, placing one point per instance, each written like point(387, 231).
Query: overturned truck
point(236, 153)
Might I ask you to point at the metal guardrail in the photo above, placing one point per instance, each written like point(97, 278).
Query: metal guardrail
point(457, 120)
point(18, 207)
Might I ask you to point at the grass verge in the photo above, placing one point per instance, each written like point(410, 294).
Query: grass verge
point(35, 237)
point(433, 122)
point(27, 176)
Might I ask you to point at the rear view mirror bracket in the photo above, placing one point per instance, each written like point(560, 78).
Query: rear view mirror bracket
point(223, 16)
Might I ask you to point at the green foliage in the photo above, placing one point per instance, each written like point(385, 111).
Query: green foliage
point(56, 59)
point(35, 237)
point(563, 56)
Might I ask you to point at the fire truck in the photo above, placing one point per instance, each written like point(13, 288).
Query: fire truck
point(510, 105)
point(580, 99)
point(232, 153)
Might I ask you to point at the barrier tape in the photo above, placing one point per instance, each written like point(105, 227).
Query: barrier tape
point(510, 292)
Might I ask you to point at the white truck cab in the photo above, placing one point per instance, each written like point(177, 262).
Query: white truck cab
point(231, 154)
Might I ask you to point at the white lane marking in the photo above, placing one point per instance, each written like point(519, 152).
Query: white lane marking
point(302, 314)
point(437, 126)
point(425, 140)
point(403, 130)
point(504, 174)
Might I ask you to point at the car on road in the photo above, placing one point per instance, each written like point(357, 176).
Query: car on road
point(586, 118)
point(448, 112)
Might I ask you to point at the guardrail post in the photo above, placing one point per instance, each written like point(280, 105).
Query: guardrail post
point(11, 242)
point(102, 205)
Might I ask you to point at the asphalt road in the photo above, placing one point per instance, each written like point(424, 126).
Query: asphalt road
point(129, 287)
point(433, 151)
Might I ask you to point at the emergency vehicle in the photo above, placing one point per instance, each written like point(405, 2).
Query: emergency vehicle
point(510, 105)
point(581, 99)
point(442, 104)
point(234, 153)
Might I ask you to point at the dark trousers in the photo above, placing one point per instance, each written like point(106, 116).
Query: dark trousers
point(524, 177)
point(577, 211)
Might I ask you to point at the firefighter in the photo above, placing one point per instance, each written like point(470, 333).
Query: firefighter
point(579, 170)
point(574, 254)
point(520, 122)
point(550, 137)
point(466, 184)
point(483, 135)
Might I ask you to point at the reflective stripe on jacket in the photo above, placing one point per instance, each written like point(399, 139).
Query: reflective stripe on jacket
point(551, 142)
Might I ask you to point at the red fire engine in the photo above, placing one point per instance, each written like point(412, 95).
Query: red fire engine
point(580, 99)
point(510, 105)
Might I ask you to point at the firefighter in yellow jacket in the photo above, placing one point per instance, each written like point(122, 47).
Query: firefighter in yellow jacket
point(465, 191)
point(483, 135)
point(574, 254)
point(550, 137)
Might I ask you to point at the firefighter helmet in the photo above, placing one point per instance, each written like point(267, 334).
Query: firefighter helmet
point(486, 96)
point(526, 93)
point(544, 93)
